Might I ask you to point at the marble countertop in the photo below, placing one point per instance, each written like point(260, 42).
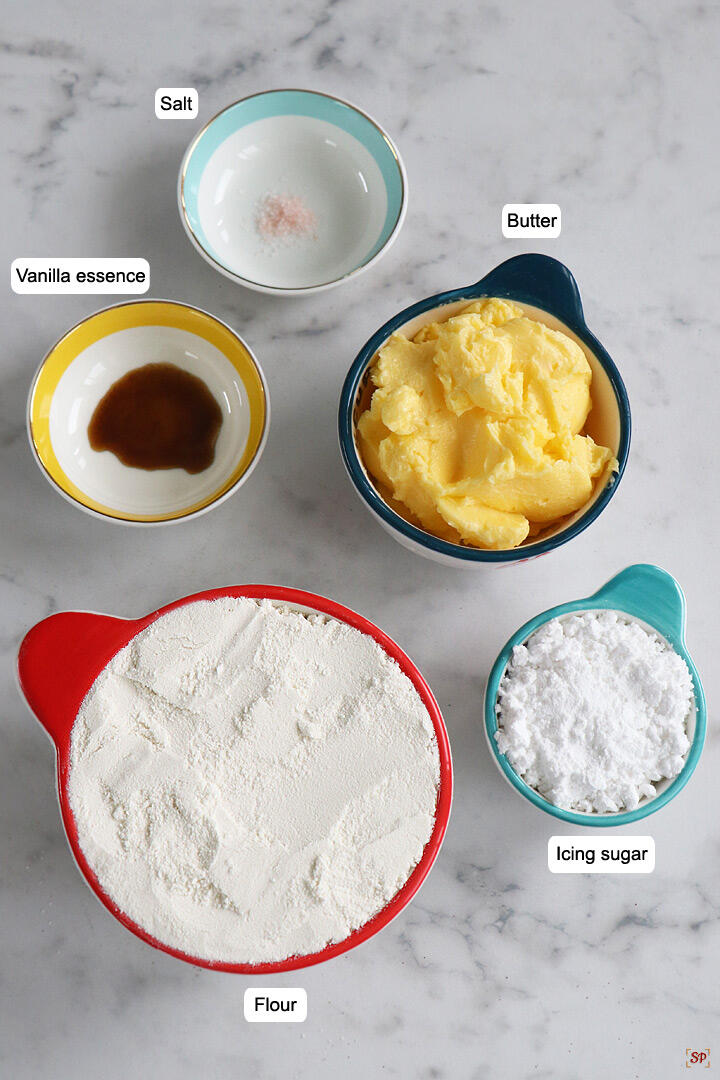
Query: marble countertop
point(498, 968)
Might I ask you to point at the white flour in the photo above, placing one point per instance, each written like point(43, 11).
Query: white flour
point(250, 783)
point(593, 711)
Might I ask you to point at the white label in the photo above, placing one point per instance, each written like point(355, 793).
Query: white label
point(530, 219)
point(273, 1005)
point(176, 102)
point(601, 854)
point(80, 276)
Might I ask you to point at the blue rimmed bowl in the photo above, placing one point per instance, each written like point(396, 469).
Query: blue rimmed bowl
point(547, 291)
point(302, 145)
point(652, 597)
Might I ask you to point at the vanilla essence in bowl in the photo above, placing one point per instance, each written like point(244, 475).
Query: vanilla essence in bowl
point(132, 340)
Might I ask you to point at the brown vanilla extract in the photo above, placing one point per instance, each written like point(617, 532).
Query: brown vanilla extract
point(158, 417)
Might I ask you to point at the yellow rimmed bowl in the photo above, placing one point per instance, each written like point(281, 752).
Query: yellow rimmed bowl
point(96, 352)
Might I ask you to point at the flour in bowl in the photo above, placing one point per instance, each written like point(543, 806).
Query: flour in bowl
point(250, 783)
point(593, 711)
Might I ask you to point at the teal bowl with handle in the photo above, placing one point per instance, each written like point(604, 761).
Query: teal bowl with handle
point(653, 597)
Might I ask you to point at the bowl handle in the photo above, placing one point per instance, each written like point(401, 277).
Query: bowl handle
point(651, 594)
point(538, 280)
point(59, 660)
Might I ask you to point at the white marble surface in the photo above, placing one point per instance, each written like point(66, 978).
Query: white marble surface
point(498, 969)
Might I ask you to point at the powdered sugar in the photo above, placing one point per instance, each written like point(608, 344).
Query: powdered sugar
point(250, 783)
point(593, 710)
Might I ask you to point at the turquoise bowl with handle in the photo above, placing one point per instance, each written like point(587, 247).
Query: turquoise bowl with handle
point(653, 597)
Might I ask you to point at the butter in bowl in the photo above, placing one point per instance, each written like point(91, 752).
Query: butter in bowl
point(487, 424)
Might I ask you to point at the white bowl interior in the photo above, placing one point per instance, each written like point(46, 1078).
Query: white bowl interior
point(603, 423)
point(328, 168)
point(101, 475)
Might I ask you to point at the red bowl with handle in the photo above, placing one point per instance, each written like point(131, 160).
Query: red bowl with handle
point(61, 657)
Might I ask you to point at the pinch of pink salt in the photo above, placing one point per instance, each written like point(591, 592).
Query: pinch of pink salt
point(282, 217)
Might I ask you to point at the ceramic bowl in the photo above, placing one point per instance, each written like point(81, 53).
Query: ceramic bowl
point(654, 598)
point(299, 143)
point(61, 657)
point(548, 292)
point(94, 354)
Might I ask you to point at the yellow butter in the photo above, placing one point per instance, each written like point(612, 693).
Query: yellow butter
point(474, 427)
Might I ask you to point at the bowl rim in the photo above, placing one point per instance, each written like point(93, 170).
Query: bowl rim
point(675, 637)
point(275, 290)
point(177, 519)
point(114, 636)
point(571, 314)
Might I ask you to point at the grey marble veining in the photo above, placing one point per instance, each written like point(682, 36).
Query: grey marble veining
point(497, 969)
